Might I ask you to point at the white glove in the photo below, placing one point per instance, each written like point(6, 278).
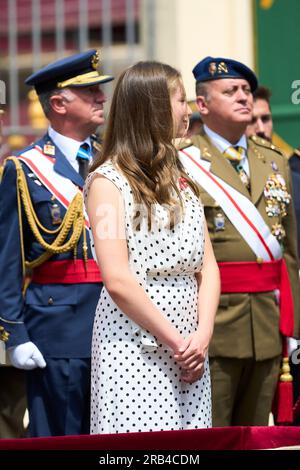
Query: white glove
point(26, 356)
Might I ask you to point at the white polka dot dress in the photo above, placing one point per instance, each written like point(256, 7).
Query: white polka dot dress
point(136, 385)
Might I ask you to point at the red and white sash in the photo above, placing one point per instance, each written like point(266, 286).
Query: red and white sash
point(43, 167)
point(239, 209)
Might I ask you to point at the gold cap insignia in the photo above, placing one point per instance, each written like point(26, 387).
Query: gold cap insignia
point(95, 61)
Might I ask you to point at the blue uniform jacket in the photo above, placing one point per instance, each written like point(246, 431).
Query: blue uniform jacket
point(58, 318)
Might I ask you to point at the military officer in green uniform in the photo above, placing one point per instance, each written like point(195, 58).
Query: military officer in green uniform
point(245, 190)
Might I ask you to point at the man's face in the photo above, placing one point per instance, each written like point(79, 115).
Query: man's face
point(230, 101)
point(261, 123)
point(84, 106)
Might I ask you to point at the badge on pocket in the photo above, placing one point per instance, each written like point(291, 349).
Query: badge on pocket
point(55, 214)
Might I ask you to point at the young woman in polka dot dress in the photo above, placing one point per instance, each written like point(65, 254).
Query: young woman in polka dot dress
point(155, 315)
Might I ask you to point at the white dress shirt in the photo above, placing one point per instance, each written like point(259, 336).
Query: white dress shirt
point(69, 147)
point(223, 144)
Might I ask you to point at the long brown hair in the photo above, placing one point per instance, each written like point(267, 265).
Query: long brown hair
point(140, 131)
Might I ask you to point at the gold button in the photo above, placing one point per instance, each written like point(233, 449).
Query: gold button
point(50, 301)
point(260, 260)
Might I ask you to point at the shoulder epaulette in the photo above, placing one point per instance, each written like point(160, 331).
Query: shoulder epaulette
point(8, 159)
point(265, 143)
point(181, 144)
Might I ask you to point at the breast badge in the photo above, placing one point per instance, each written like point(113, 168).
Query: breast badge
point(219, 222)
point(55, 214)
point(49, 149)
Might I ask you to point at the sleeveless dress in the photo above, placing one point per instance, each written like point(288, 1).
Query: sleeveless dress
point(136, 384)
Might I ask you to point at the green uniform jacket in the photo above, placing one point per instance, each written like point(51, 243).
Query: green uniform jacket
point(247, 325)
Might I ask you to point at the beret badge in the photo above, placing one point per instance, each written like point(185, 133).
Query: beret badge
point(222, 67)
point(212, 68)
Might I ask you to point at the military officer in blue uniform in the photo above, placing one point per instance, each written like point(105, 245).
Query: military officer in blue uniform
point(48, 327)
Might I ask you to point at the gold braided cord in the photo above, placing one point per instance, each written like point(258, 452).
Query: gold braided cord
point(1, 172)
point(25, 190)
point(73, 220)
point(21, 234)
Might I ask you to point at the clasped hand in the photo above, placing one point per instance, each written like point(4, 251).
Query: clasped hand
point(191, 356)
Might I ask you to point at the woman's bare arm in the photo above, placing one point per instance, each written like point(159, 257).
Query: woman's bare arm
point(106, 214)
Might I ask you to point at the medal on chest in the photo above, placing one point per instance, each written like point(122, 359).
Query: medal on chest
point(277, 199)
point(55, 211)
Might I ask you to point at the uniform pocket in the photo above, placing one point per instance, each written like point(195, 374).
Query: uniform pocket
point(224, 300)
point(51, 295)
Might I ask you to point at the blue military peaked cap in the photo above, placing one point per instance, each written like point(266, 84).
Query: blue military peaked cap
point(214, 68)
point(77, 70)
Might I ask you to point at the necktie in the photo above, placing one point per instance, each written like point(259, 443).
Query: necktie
point(235, 156)
point(83, 158)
